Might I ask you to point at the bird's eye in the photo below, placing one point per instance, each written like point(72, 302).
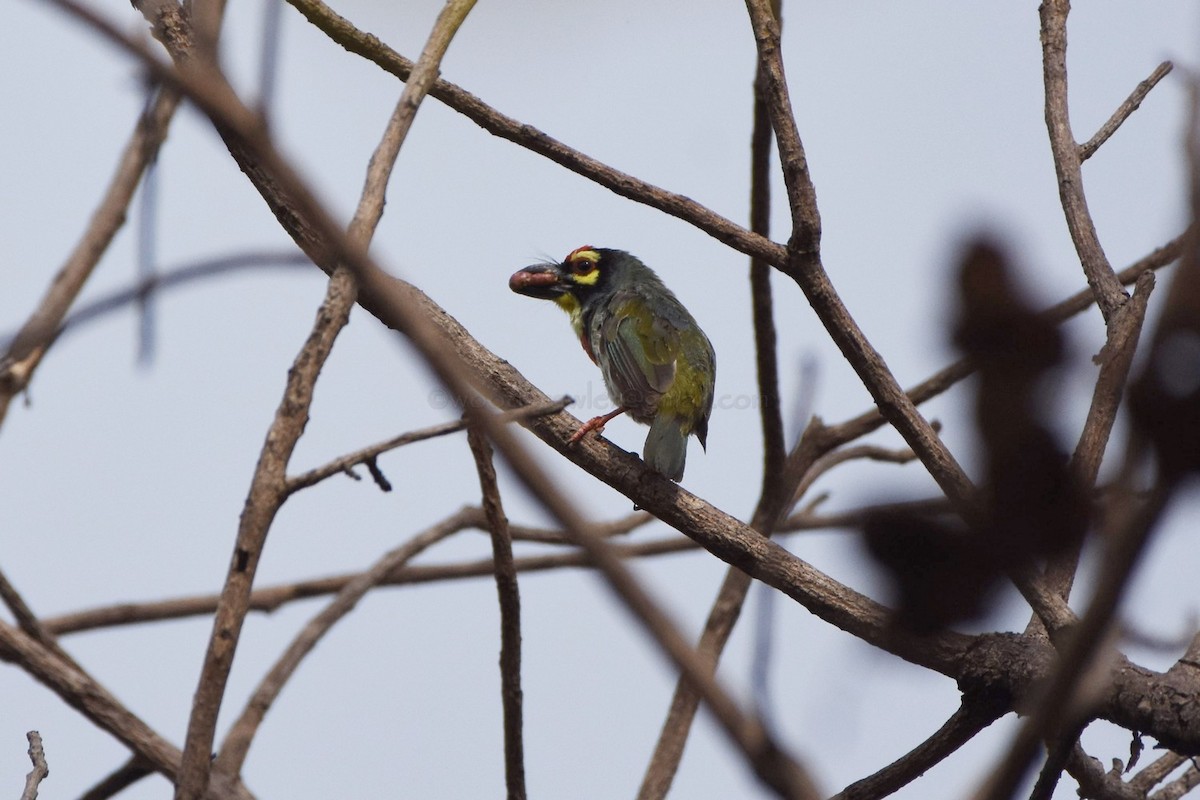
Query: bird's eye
point(582, 266)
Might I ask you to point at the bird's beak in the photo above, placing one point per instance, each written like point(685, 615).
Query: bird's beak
point(542, 281)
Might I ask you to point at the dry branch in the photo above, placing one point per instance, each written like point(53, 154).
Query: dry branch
point(510, 616)
point(27, 348)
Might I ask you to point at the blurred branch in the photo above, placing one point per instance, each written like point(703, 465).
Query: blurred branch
point(232, 754)
point(762, 303)
point(26, 349)
point(190, 273)
point(510, 616)
point(344, 463)
point(1131, 104)
point(972, 716)
point(1115, 361)
point(118, 780)
point(1100, 276)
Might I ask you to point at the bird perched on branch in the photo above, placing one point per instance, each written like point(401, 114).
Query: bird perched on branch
point(657, 363)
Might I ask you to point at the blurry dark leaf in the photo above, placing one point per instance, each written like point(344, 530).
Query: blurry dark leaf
point(1031, 506)
point(940, 574)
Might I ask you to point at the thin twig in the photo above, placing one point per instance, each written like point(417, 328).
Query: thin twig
point(762, 303)
point(379, 171)
point(868, 452)
point(510, 616)
point(234, 749)
point(40, 768)
point(1131, 104)
point(1117, 357)
point(271, 598)
point(343, 463)
point(972, 716)
point(25, 351)
point(1099, 272)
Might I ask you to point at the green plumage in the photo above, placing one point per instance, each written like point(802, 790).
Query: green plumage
point(658, 365)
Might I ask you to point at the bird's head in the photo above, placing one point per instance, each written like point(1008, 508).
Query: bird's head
point(585, 273)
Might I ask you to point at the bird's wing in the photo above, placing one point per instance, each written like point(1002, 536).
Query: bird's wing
point(642, 349)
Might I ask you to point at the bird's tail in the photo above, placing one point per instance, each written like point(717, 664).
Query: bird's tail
point(666, 446)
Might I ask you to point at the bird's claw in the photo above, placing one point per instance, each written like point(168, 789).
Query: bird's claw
point(593, 425)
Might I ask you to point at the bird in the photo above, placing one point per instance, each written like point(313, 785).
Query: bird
point(658, 365)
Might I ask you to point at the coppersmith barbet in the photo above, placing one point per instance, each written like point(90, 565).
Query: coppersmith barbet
point(657, 364)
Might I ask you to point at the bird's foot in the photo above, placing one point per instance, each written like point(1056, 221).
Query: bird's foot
point(595, 424)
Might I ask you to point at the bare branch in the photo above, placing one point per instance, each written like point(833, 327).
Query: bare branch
point(118, 780)
point(510, 616)
point(1116, 359)
point(1177, 788)
point(370, 206)
point(762, 303)
point(972, 716)
point(1156, 772)
point(40, 769)
point(1100, 275)
point(27, 348)
point(1131, 104)
point(346, 462)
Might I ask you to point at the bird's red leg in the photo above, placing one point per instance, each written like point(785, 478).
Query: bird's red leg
point(596, 424)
